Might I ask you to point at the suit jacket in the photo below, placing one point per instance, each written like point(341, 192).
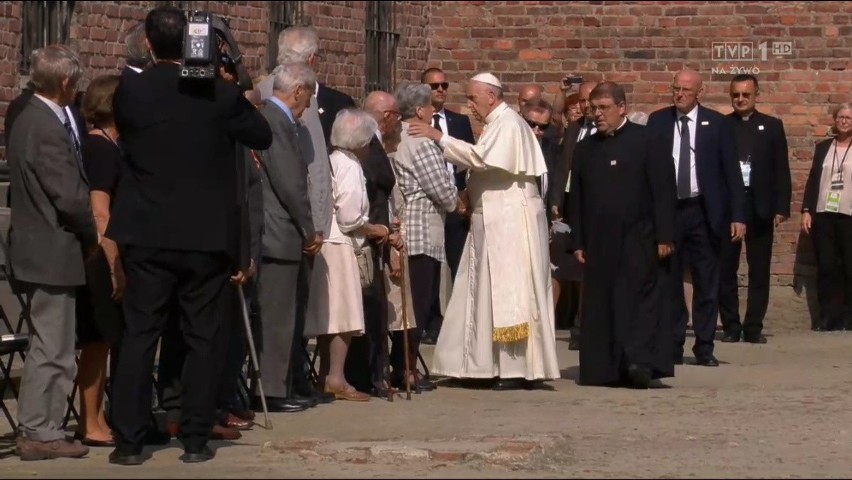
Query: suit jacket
point(562, 167)
point(52, 222)
point(811, 195)
point(458, 126)
point(179, 187)
point(17, 105)
point(330, 103)
point(287, 215)
point(770, 166)
point(717, 167)
point(250, 204)
point(380, 182)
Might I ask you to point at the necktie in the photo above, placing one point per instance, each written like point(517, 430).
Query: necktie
point(436, 120)
point(70, 131)
point(684, 190)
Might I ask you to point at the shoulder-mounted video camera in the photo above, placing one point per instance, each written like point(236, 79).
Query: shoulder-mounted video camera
point(205, 37)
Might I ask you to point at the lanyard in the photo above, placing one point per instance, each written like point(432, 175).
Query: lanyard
point(842, 161)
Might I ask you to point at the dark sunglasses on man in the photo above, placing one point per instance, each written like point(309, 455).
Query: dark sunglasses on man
point(443, 85)
point(541, 126)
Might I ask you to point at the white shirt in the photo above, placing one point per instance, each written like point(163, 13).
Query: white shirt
point(59, 111)
point(73, 123)
point(137, 70)
point(693, 126)
point(591, 131)
point(442, 120)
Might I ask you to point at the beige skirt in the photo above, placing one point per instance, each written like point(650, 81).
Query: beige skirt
point(335, 304)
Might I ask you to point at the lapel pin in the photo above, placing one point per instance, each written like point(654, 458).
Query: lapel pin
point(760, 127)
point(705, 122)
point(320, 110)
point(611, 163)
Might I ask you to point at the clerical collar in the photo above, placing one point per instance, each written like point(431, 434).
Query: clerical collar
point(746, 118)
point(623, 123)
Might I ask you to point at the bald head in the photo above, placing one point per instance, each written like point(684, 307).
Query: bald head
point(686, 87)
point(383, 107)
point(527, 93)
point(584, 92)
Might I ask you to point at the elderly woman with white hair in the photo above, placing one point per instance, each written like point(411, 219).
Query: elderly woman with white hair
point(335, 309)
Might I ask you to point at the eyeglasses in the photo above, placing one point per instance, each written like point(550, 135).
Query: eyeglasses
point(599, 108)
point(442, 85)
point(541, 126)
point(683, 90)
point(394, 113)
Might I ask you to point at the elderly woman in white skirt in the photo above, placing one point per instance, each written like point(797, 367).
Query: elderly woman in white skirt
point(335, 309)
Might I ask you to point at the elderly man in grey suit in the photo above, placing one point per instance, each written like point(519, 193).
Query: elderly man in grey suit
point(51, 227)
point(300, 45)
point(289, 233)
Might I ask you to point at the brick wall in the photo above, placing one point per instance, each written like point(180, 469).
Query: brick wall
point(643, 43)
point(97, 33)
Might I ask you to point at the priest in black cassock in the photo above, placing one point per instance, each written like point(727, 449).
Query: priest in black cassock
point(622, 213)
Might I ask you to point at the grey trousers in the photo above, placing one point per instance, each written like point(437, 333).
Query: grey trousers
point(278, 290)
point(50, 366)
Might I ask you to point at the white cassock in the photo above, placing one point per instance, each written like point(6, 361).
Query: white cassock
point(499, 320)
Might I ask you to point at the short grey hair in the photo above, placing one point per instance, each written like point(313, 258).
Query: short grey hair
point(353, 129)
point(411, 96)
point(52, 65)
point(137, 50)
point(297, 44)
point(288, 76)
point(497, 91)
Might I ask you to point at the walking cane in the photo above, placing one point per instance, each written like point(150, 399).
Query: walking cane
point(267, 425)
point(402, 286)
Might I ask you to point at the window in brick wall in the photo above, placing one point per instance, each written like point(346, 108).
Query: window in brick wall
point(43, 24)
point(282, 15)
point(382, 40)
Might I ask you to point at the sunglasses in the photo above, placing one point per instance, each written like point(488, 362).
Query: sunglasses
point(541, 126)
point(443, 86)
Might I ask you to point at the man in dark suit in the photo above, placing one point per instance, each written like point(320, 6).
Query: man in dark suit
point(456, 225)
point(289, 232)
point(51, 227)
point(709, 211)
point(762, 149)
point(175, 219)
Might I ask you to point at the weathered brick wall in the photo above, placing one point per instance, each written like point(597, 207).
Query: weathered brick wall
point(643, 43)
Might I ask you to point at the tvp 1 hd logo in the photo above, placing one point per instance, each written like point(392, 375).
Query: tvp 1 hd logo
point(749, 52)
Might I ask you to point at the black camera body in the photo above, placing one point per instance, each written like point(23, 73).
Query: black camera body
point(204, 34)
point(200, 48)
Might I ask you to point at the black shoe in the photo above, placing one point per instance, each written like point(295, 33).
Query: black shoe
point(509, 384)
point(429, 339)
point(731, 337)
point(574, 343)
point(678, 359)
point(640, 377)
point(279, 405)
point(203, 455)
point(309, 402)
point(426, 385)
point(118, 457)
point(707, 361)
point(760, 339)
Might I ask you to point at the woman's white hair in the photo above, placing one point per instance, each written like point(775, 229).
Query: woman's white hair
point(288, 76)
point(640, 118)
point(353, 129)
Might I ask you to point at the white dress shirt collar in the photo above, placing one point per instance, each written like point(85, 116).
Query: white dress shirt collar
point(693, 115)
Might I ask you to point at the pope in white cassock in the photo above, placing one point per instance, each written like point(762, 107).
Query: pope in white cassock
point(499, 320)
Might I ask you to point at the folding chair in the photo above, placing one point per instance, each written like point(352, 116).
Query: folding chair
point(10, 344)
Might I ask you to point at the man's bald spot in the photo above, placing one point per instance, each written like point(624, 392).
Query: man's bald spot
point(586, 89)
point(378, 101)
point(530, 91)
point(689, 76)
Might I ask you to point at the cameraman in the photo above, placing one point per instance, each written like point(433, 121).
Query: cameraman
point(174, 220)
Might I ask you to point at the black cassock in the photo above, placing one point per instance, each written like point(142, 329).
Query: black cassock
point(622, 204)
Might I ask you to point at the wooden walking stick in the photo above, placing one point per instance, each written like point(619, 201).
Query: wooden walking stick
point(405, 348)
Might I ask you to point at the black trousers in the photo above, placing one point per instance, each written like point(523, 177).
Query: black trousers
point(422, 272)
point(695, 243)
point(832, 238)
point(367, 358)
point(759, 235)
point(154, 278)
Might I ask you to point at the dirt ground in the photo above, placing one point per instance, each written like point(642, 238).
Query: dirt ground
point(770, 411)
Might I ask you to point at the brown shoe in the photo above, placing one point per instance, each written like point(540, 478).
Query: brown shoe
point(236, 423)
point(30, 450)
point(173, 429)
point(223, 433)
